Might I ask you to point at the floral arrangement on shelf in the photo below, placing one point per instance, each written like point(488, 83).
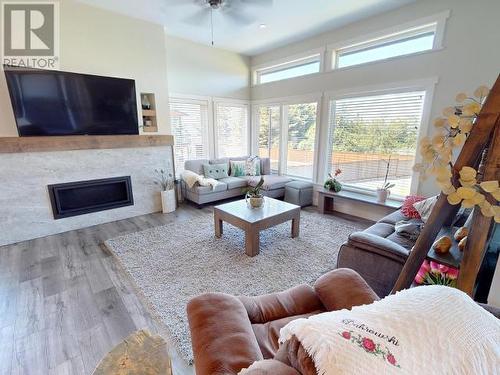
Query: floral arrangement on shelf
point(433, 273)
point(437, 157)
point(332, 183)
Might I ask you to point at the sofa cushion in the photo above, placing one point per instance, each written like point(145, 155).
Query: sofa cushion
point(234, 182)
point(271, 181)
point(299, 185)
point(195, 165)
point(393, 218)
point(220, 161)
point(216, 171)
point(202, 190)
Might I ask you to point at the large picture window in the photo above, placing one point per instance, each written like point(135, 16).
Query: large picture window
point(301, 139)
point(269, 124)
point(189, 119)
point(374, 135)
point(232, 129)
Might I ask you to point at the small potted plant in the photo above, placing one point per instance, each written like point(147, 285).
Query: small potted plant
point(254, 195)
point(383, 191)
point(332, 183)
point(166, 181)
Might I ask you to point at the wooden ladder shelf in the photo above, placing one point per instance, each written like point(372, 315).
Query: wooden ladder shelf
point(484, 138)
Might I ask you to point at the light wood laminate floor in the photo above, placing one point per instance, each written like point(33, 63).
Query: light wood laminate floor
point(64, 302)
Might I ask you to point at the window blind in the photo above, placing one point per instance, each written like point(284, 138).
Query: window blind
point(189, 121)
point(269, 119)
point(232, 129)
point(301, 139)
point(373, 133)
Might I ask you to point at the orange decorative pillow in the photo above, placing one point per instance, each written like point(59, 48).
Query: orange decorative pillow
point(408, 210)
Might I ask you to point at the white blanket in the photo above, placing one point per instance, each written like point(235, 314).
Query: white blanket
point(423, 330)
point(191, 178)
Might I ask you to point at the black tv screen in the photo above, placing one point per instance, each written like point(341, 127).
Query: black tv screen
point(47, 102)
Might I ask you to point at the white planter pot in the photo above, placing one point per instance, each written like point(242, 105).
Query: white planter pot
point(168, 201)
point(382, 195)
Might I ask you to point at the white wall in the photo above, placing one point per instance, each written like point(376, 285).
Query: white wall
point(99, 42)
point(470, 56)
point(196, 69)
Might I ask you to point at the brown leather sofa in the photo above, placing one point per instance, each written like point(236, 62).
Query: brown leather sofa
point(230, 333)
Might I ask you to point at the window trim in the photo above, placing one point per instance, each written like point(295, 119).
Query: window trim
point(436, 23)
point(304, 58)
point(427, 85)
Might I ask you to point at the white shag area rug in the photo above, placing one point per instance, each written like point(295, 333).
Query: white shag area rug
point(171, 264)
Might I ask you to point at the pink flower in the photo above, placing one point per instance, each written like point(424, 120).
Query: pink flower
point(443, 268)
point(435, 267)
point(368, 344)
point(391, 359)
point(337, 172)
point(425, 266)
point(420, 277)
point(346, 335)
point(452, 273)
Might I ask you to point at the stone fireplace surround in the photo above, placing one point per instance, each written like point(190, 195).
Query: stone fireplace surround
point(25, 207)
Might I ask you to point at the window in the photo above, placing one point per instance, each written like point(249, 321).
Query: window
point(398, 44)
point(269, 123)
point(301, 129)
point(374, 135)
point(290, 69)
point(189, 119)
point(232, 129)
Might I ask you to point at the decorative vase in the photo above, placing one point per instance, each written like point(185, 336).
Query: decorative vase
point(382, 195)
point(168, 201)
point(254, 202)
point(145, 103)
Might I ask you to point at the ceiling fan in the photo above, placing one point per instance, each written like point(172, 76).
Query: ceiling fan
point(234, 11)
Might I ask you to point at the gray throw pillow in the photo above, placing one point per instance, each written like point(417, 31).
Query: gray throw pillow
point(215, 171)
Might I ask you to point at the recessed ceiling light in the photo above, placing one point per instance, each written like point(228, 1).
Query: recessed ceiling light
point(262, 26)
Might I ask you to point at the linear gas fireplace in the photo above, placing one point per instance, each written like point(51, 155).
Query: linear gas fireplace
point(83, 197)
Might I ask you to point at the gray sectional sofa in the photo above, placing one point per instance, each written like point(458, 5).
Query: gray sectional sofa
point(274, 185)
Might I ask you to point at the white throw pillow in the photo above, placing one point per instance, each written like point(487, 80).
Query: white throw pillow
point(252, 166)
point(424, 208)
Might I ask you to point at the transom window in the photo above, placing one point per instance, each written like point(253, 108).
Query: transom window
point(295, 68)
point(373, 136)
point(399, 44)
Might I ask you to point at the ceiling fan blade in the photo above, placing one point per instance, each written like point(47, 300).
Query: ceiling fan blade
point(201, 16)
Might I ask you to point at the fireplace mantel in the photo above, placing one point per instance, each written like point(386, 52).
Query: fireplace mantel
point(81, 142)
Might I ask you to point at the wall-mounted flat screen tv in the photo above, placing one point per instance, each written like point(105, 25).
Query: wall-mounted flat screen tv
point(49, 103)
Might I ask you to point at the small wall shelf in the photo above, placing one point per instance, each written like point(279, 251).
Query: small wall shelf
point(148, 105)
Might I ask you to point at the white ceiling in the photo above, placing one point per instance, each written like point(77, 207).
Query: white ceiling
point(287, 20)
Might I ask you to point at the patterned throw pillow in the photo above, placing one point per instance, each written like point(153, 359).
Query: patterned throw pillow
point(237, 168)
point(408, 210)
point(215, 171)
point(252, 166)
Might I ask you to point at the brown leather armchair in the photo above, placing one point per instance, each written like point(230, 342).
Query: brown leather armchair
point(230, 333)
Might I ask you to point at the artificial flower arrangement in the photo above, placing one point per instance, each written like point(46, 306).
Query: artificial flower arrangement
point(432, 273)
point(437, 155)
point(332, 183)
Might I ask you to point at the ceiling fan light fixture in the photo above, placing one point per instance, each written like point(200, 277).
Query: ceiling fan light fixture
point(262, 26)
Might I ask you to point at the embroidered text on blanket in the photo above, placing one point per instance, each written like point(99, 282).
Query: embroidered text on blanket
point(391, 339)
